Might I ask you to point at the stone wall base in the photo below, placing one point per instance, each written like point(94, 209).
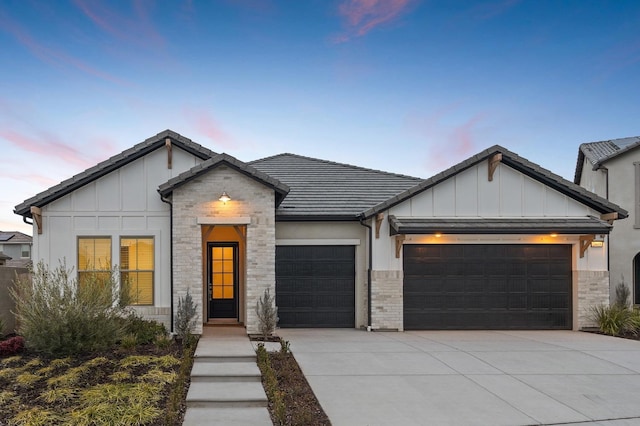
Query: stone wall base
point(592, 290)
point(386, 300)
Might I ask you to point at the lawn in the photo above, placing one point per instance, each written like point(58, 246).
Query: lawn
point(143, 385)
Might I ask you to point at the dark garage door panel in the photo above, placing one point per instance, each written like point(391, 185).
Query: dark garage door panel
point(475, 286)
point(315, 286)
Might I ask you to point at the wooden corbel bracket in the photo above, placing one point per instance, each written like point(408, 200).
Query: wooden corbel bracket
point(585, 242)
point(36, 213)
point(167, 143)
point(494, 160)
point(399, 241)
point(379, 219)
point(609, 217)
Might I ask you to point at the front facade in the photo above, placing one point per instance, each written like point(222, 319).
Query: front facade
point(611, 169)
point(494, 242)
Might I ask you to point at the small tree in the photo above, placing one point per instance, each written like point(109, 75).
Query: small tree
point(267, 313)
point(622, 294)
point(185, 317)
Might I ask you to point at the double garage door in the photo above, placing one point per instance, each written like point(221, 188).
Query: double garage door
point(487, 286)
point(315, 286)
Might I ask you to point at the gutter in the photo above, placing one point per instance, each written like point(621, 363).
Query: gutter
point(166, 200)
point(370, 262)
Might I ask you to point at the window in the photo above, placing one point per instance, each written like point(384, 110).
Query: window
point(1, 247)
point(136, 268)
point(94, 258)
point(25, 250)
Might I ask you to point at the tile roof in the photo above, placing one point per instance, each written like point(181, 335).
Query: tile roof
point(218, 160)
point(583, 225)
point(14, 237)
point(599, 152)
point(327, 190)
point(518, 163)
point(110, 165)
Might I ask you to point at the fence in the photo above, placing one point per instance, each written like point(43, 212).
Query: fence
point(7, 276)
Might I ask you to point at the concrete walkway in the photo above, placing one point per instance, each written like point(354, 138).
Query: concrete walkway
point(226, 387)
point(470, 377)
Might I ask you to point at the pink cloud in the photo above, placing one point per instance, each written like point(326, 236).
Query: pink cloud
point(51, 56)
point(449, 140)
point(45, 145)
point(205, 124)
point(362, 16)
point(41, 180)
point(137, 29)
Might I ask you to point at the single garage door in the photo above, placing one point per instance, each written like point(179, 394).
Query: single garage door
point(315, 286)
point(487, 286)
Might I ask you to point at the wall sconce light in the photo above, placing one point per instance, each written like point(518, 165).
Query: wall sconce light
point(598, 241)
point(224, 197)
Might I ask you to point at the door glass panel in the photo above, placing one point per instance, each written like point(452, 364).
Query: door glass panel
point(222, 272)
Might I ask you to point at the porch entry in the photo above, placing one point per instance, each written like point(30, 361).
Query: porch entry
point(222, 279)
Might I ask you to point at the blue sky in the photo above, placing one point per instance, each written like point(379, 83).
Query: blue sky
point(406, 86)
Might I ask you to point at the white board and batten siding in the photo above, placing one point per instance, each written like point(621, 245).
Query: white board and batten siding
point(470, 194)
point(123, 203)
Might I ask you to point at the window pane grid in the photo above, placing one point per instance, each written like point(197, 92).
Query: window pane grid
point(137, 268)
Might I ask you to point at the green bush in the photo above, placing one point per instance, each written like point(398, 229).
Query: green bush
point(145, 331)
point(185, 317)
point(622, 294)
point(57, 316)
point(267, 314)
point(613, 320)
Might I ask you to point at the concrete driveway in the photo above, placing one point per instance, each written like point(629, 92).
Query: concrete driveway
point(470, 377)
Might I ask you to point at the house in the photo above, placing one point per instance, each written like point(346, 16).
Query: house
point(611, 169)
point(16, 248)
point(494, 242)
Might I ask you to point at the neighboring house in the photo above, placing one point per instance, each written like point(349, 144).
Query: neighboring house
point(493, 242)
point(611, 169)
point(16, 247)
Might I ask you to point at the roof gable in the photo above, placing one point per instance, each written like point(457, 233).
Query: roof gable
point(280, 189)
point(598, 153)
point(111, 164)
point(517, 163)
point(326, 190)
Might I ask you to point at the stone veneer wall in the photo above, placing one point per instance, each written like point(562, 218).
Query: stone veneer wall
point(155, 313)
point(386, 300)
point(199, 198)
point(593, 289)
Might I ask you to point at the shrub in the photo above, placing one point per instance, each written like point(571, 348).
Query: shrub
point(145, 331)
point(267, 313)
point(11, 346)
point(57, 316)
point(185, 316)
point(613, 320)
point(622, 294)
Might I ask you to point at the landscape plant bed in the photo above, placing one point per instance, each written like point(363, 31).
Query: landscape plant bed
point(144, 385)
point(291, 399)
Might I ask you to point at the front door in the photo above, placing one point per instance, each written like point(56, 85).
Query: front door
point(222, 274)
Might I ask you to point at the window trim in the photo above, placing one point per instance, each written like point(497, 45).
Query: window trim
point(22, 246)
point(93, 237)
point(153, 271)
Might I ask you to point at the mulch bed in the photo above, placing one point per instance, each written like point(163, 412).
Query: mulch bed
point(30, 396)
point(301, 405)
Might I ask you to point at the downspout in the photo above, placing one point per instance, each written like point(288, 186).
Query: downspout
point(606, 191)
point(369, 272)
point(166, 200)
